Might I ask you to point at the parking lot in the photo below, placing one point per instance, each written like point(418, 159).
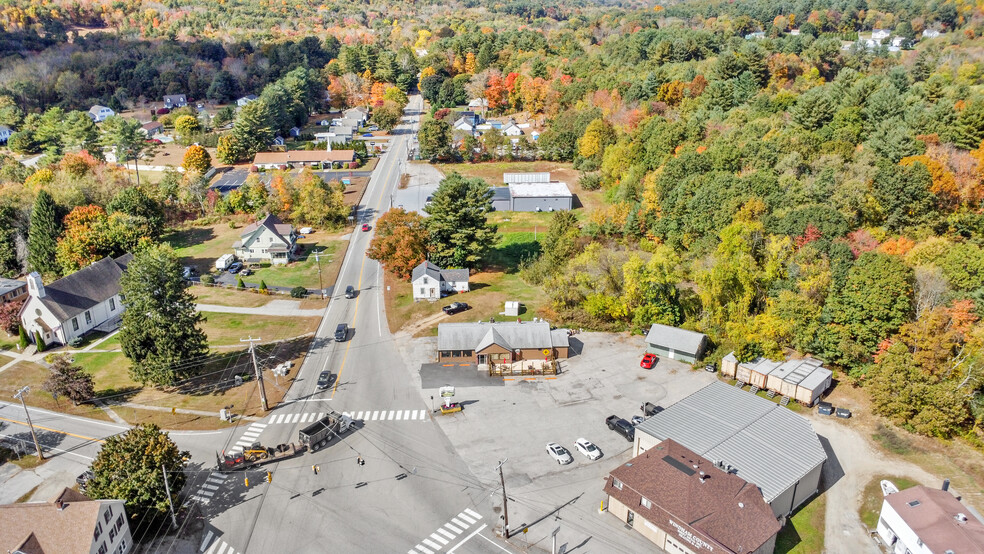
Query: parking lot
point(516, 421)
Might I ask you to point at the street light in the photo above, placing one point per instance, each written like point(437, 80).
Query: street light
point(321, 286)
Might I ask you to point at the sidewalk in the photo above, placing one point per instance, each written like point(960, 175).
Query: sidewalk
point(285, 308)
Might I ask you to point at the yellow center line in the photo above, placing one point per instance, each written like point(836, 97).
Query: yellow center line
point(362, 268)
point(24, 423)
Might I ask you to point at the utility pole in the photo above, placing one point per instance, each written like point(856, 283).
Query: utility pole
point(505, 507)
point(321, 286)
point(167, 489)
point(20, 396)
point(259, 374)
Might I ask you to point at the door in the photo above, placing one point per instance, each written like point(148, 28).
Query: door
point(480, 359)
point(630, 518)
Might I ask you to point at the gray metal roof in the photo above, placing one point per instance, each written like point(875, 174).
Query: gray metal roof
point(675, 338)
point(542, 177)
point(426, 268)
point(769, 445)
point(554, 189)
point(7, 285)
point(508, 334)
point(500, 193)
point(454, 275)
point(808, 373)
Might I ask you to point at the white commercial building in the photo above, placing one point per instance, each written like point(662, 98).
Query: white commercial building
point(922, 520)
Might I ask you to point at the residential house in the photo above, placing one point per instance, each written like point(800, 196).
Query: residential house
point(346, 122)
point(172, 101)
point(341, 134)
point(71, 523)
point(268, 241)
point(930, 33)
point(86, 300)
point(430, 282)
point(465, 125)
point(152, 129)
point(320, 159)
point(359, 114)
point(757, 35)
point(880, 34)
point(12, 290)
point(246, 100)
point(924, 520)
point(506, 342)
point(675, 343)
point(100, 113)
point(5, 133)
point(510, 129)
point(685, 503)
point(478, 104)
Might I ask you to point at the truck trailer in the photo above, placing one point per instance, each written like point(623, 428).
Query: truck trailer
point(321, 432)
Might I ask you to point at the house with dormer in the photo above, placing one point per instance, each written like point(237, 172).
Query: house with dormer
point(431, 282)
point(172, 101)
point(268, 241)
point(70, 307)
point(100, 113)
point(71, 523)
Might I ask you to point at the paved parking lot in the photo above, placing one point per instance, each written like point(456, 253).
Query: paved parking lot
point(516, 421)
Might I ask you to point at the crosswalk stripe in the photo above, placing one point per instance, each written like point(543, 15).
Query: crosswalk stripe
point(305, 418)
point(453, 528)
point(439, 538)
point(473, 513)
point(424, 550)
point(459, 523)
point(201, 499)
point(208, 537)
point(213, 547)
point(321, 415)
point(358, 416)
point(258, 424)
point(406, 414)
point(390, 415)
point(399, 415)
point(280, 418)
point(423, 414)
point(250, 435)
point(222, 548)
point(210, 487)
point(466, 518)
point(374, 414)
point(296, 418)
point(428, 542)
point(446, 534)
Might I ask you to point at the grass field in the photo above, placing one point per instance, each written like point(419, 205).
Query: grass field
point(34, 375)
point(304, 271)
point(229, 297)
point(871, 499)
point(803, 533)
point(226, 329)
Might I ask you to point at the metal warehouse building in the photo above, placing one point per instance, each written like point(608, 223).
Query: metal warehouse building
point(531, 192)
point(675, 343)
point(757, 440)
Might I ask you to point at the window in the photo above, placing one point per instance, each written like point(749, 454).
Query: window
point(99, 529)
point(122, 547)
point(616, 483)
point(423, 291)
point(112, 304)
point(108, 515)
point(103, 549)
point(119, 522)
point(645, 502)
point(88, 318)
point(75, 324)
point(112, 533)
point(425, 279)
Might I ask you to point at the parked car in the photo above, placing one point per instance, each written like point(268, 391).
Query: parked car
point(621, 426)
point(586, 447)
point(350, 292)
point(324, 379)
point(637, 419)
point(365, 227)
point(236, 267)
point(455, 307)
point(648, 361)
point(843, 413)
point(367, 135)
point(651, 409)
point(559, 453)
point(710, 368)
point(246, 271)
point(187, 272)
point(825, 408)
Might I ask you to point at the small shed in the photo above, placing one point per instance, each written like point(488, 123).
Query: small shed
point(675, 343)
point(501, 200)
point(756, 373)
point(512, 309)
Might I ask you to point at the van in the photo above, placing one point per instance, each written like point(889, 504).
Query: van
point(350, 292)
point(341, 332)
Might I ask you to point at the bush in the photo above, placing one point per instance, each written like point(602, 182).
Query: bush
point(76, 342)
point(208, 279)
point(240, 284)
point(39, 341)
point(298, 292)
point(23, 337)
point(263, 286)
point(590, 181)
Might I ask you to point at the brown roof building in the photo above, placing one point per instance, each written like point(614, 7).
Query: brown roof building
point(924, 520)
point(683, 503)
point(272, 160)
point(70, 524)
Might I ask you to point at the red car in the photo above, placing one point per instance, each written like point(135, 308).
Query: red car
point(648, 361)
point(365, 226)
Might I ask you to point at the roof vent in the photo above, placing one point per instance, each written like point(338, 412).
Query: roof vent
point(741, 504)
point(913, 503)
point(961, 517)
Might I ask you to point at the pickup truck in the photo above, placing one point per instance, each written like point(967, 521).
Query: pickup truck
point(621, 426)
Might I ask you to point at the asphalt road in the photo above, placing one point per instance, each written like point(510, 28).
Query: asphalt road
point(413, 494)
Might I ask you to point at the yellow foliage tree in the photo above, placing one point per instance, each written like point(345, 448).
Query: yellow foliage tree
point(470, 63)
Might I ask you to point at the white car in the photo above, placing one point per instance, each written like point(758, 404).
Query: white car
point(559, 453)
point(586, 447)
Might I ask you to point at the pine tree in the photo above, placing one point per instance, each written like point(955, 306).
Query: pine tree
point(970, 125)
point(38, 341)
point(253, 129)
point(460, 234)
point(42, 236)
point(23, 337)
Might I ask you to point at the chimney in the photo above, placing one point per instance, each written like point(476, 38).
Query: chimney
point(35, 287)
point(60, 505)
point(946, 484)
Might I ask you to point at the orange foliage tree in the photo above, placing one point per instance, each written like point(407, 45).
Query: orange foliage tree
point(400, 242)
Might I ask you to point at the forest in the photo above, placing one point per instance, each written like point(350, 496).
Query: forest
point(770, 178)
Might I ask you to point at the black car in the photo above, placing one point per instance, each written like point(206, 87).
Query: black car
point(455, 307)
point(341, 332)
point(710, 368)
point(621, 427)
point(843, 413)
point(350, 292)
point(825, 408)
point(651, 409)
point(324, 379)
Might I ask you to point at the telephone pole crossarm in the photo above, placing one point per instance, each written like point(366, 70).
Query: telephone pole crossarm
point(256, 367)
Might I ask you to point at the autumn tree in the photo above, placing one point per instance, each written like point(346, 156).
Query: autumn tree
point(68, 379)
point(399, 242)
point(197, 159)
point(186, 126)
point(597, 136)
point(435, 139)
point(91, 234)
point(317, 203)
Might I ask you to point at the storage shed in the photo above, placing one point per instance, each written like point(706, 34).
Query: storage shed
point(803, 380)
point(675, 343)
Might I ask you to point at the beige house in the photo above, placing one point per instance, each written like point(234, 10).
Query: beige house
point(268, 241)
point(500, 343)
point(70, 524)
point(322, 159)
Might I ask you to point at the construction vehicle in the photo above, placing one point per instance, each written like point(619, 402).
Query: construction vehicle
point(321, 432)
point(257, 455)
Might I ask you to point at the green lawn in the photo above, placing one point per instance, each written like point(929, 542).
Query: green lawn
point(8, 342)
point(109, 370)
point(226, 329)
point(871, 500)
point(304, 271)
point(803, 533)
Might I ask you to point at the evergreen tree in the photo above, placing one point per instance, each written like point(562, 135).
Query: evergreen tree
point(435, 139)
point(460, 234)
point(161, 328)
point(970, 125)
point(22, 338)
point(9, 266)
point(38, 341)
point(253, 130)
point(42, 236)
point(813, 109)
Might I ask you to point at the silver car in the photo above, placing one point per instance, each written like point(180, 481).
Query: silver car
point(559, 453)
point(586, 447)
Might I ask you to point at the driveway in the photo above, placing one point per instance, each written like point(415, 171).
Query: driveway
point(285, 308)
point(435, 376)
point(424, 180)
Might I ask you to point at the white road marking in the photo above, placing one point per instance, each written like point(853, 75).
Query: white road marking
point(208, 537)
point(439, 538)
point(466, 518)
point(473, 513)
point(374, 414)
point(460, 523)
point(428, 542)
point(446, 534)
point(453, 528)
point(391, 414)
point(406, 414)
point(424, 550)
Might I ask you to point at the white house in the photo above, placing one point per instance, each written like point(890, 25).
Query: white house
point(880, 34)
point(70, 522)
point(99, 113)
point(268, 241)
point(245, 100)
point(923, 520)
point(346, 122)
point(74, 305)
point(930, 33)
point(464, 125)
point(172, 101)
point(478, 103)
point(431, 282)
point(5, 133)
point(360, 115)
point(510, 129)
